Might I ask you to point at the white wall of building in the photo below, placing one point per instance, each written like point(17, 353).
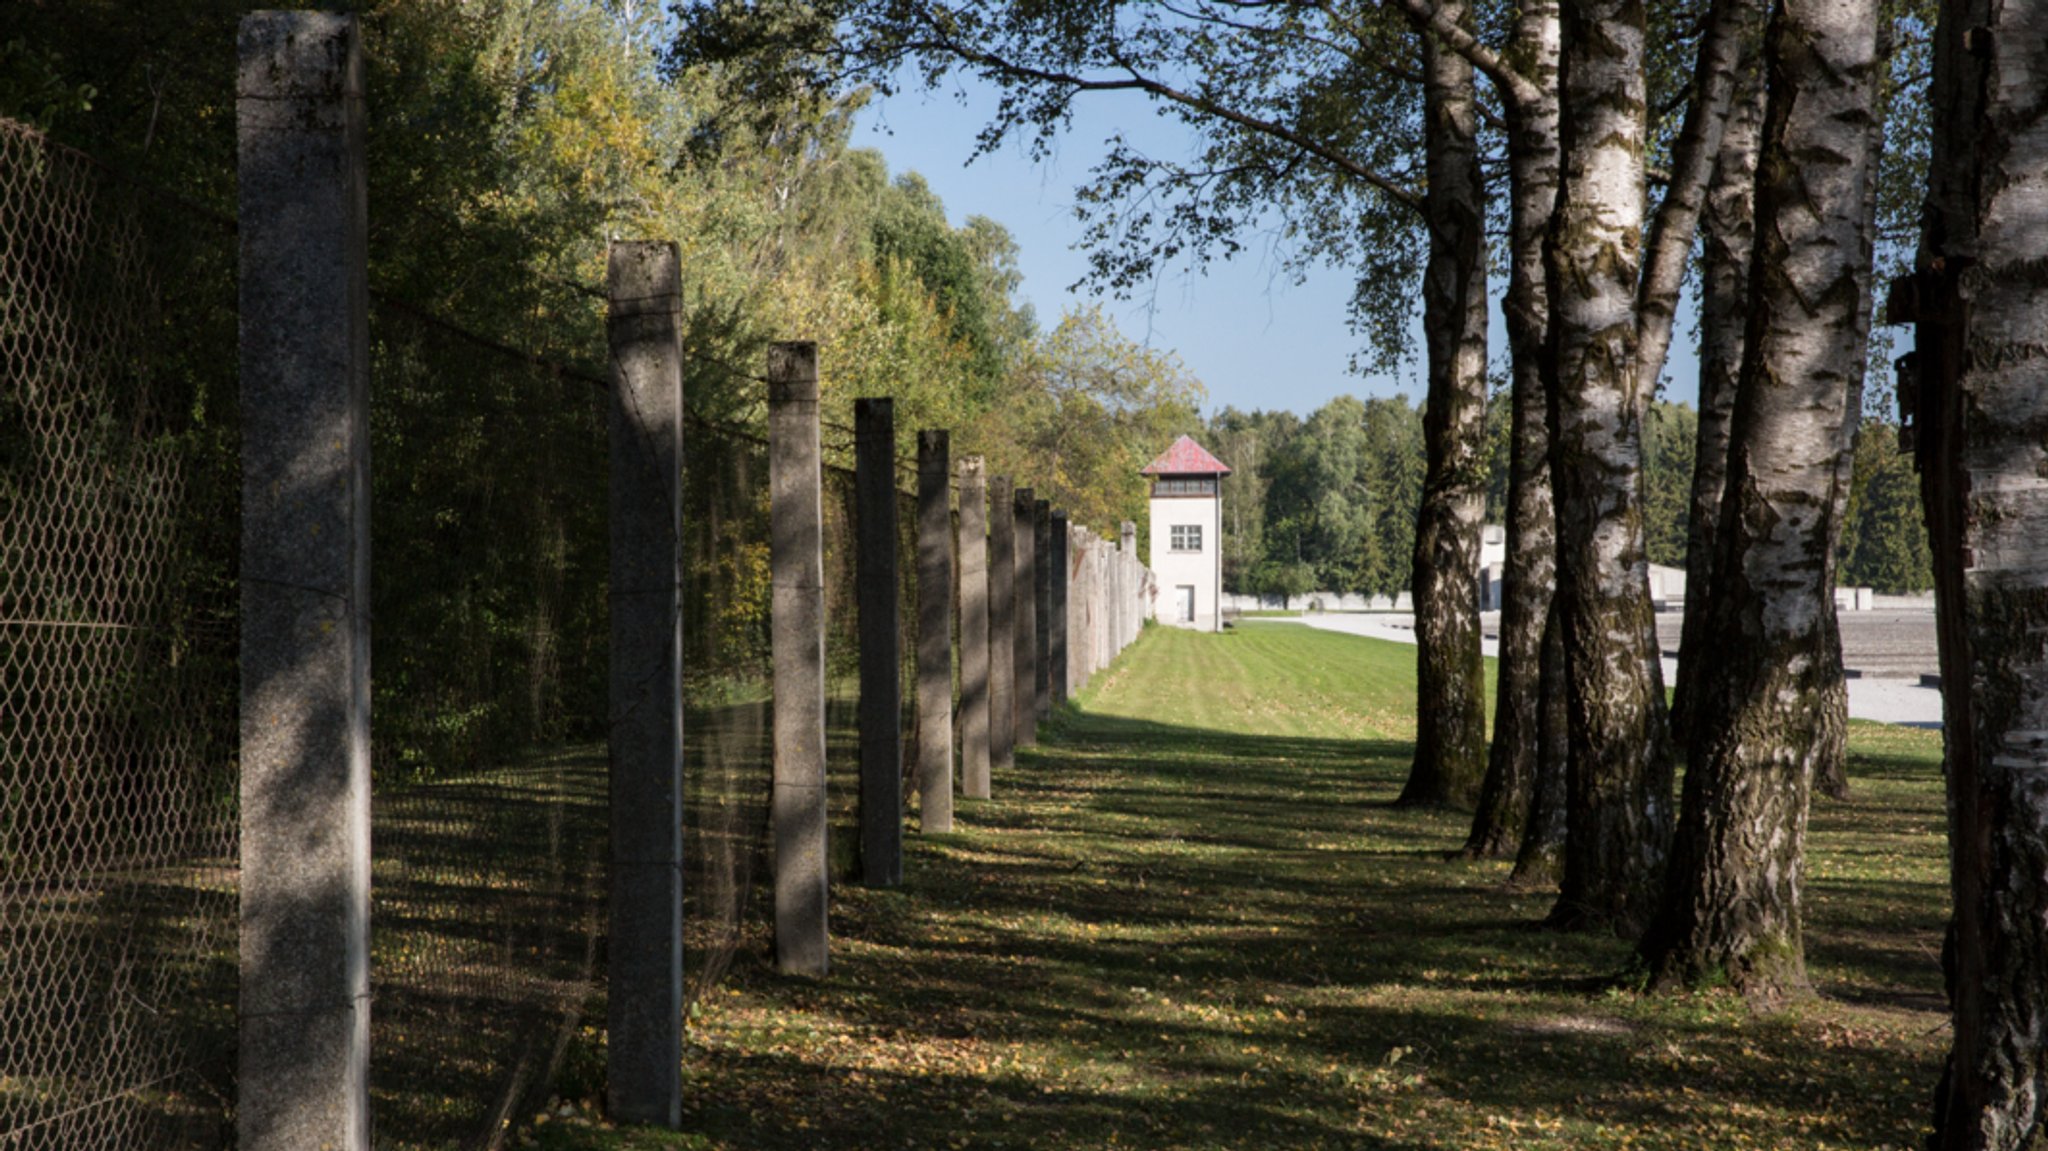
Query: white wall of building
point(1178, 570)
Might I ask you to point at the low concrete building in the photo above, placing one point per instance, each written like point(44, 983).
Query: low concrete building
point(1187, 535)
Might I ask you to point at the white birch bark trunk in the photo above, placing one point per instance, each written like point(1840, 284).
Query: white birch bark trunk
point(1619, 810)
point(1727, 232)
point(1982, 352)
point(1450, 743)
point(1732, 905)
point(1732, 30)
point(1513, 761)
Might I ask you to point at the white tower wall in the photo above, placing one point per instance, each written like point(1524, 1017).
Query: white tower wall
point(1183, 574)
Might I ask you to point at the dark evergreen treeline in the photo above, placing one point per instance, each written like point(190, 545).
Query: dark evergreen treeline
point(1328, 503)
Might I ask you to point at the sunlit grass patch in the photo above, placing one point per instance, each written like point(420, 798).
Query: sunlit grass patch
point(1192, 919)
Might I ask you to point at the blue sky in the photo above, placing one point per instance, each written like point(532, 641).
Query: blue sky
point(1254, 337)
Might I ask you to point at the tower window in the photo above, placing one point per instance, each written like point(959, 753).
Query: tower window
point(1185, 538)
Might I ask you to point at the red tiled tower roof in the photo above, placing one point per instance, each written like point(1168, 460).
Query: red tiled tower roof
point(1186, 458)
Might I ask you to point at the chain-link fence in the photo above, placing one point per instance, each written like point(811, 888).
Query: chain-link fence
point(119, 537)
point(118, 496)
point(488, 562)
point(727, 700)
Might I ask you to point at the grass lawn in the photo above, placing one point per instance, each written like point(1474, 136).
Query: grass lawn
point(1190, 920)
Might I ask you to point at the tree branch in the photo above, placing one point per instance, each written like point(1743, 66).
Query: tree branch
point(1135, 80)
point(1428, 18)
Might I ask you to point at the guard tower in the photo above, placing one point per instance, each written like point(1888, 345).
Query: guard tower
point(1187, 531)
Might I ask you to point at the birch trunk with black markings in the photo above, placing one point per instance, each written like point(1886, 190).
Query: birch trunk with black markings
point(1733, 897)
point(1982, 404)
point(1618, 810)
point(1726, 233)
point(1450, 739)
point(1500, 824)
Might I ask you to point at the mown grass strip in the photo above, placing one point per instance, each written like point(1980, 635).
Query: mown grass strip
point(1192, 920)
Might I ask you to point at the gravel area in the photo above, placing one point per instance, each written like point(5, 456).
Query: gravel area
point(1887, 651)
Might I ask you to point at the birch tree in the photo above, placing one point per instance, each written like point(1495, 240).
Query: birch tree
point(1503, 822)
point(1450, 736)
point(1981, 300)
point(1732, 905)
point(1618, 817)
point(1728, 228)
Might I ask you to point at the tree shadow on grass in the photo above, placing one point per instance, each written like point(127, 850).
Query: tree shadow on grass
point(1177, 938)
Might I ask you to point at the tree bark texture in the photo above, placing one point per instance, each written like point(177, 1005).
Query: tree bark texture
point(1540, 859)
point(1511, 766)
point(1831, 771)
point(1726, 44)
point(1728, 229)
point(1450, 738)
point(1732, 904)
point(1619, 783)
point(1982, 356)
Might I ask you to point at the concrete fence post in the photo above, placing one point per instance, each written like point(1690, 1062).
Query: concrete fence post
point(1091, 607)
point(645, 948)
point(304, 1020)
point(935, 630)
point(881, 643)
point(1060, 586)
point(1113, 602)
point(1134, 585)
point(1026, 617)
point(797, 650)
point(1104, 557)
point(974, 630)
point(1002, 625)
point(1041, 581)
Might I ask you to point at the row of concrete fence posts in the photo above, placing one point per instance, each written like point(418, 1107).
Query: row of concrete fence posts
point(797, 651)
point(304, 1016)
point(1025, 620)
point(1002, 625)
point(975, 738)
point(935, 631)
point(1041, 608)
point(881, 642)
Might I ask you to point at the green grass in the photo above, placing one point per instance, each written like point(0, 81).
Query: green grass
point(1191, 919)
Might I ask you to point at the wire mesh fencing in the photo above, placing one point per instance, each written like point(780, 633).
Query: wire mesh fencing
point(118, 714)
point(119, 541)
point(727, 701)
point(488, 817)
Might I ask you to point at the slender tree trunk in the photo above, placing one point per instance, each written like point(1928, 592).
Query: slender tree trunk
point(1831, 771)
point(1982, 354)
point(1450, 738)
point(1511, 767)
point(1728, 229)
point(1729, 40)
point(1541, 858)
point(1732, 906)
point(1619, 786)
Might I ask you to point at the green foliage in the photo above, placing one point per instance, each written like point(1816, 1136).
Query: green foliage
point(509, 140)
point(1084, 409)
point(1670, 442)
point(1327, 503)
point(1884, 541)
point(1304, 120)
